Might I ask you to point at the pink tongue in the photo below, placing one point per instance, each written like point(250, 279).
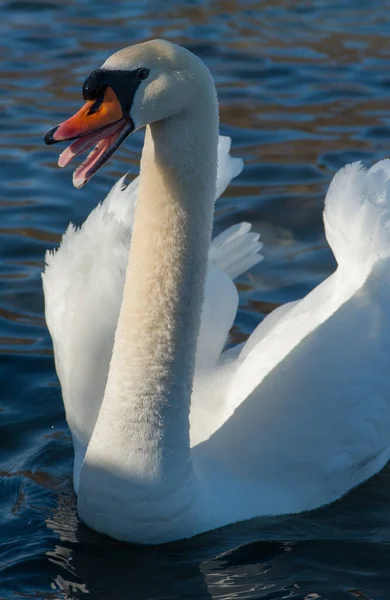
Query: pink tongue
point(102, 140)
point(80, 174)
point(77, 148)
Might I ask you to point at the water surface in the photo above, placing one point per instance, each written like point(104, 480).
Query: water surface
point(304, 87)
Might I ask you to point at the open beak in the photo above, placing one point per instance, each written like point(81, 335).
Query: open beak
point(100, 124)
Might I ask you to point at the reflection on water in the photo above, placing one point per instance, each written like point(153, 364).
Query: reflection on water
point(304, 87)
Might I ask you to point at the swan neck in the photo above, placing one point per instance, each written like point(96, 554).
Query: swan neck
point(143, 426)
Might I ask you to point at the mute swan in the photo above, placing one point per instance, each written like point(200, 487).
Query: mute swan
point(290, 421)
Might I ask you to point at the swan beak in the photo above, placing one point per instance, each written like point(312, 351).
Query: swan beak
point(93, 116)
point(100, 124)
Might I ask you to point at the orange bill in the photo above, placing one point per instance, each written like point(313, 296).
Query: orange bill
point(100, 124)
point(94, 115)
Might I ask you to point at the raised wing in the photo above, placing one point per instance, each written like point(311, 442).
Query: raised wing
point(308, 405)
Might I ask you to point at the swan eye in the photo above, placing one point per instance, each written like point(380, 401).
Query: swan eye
point(142, 74)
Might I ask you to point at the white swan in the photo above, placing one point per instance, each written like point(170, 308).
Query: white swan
point(292, 420)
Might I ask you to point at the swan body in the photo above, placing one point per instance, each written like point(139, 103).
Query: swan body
point(173, 436)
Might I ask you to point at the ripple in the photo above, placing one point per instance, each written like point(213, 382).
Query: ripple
point(304, 87)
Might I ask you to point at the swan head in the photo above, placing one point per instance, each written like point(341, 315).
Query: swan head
point(134, 87)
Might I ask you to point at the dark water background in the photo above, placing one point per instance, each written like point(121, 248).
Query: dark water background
point(304, 87)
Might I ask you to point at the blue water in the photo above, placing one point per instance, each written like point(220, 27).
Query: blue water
point(304, 87)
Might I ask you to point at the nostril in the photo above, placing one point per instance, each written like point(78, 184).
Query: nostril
point(96, 105)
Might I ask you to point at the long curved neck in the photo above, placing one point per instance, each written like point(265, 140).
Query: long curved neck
point(141, 442)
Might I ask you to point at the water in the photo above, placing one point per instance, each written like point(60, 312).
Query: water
point(304, 87)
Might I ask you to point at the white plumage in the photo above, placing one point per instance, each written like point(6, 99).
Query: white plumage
point(288, 422)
